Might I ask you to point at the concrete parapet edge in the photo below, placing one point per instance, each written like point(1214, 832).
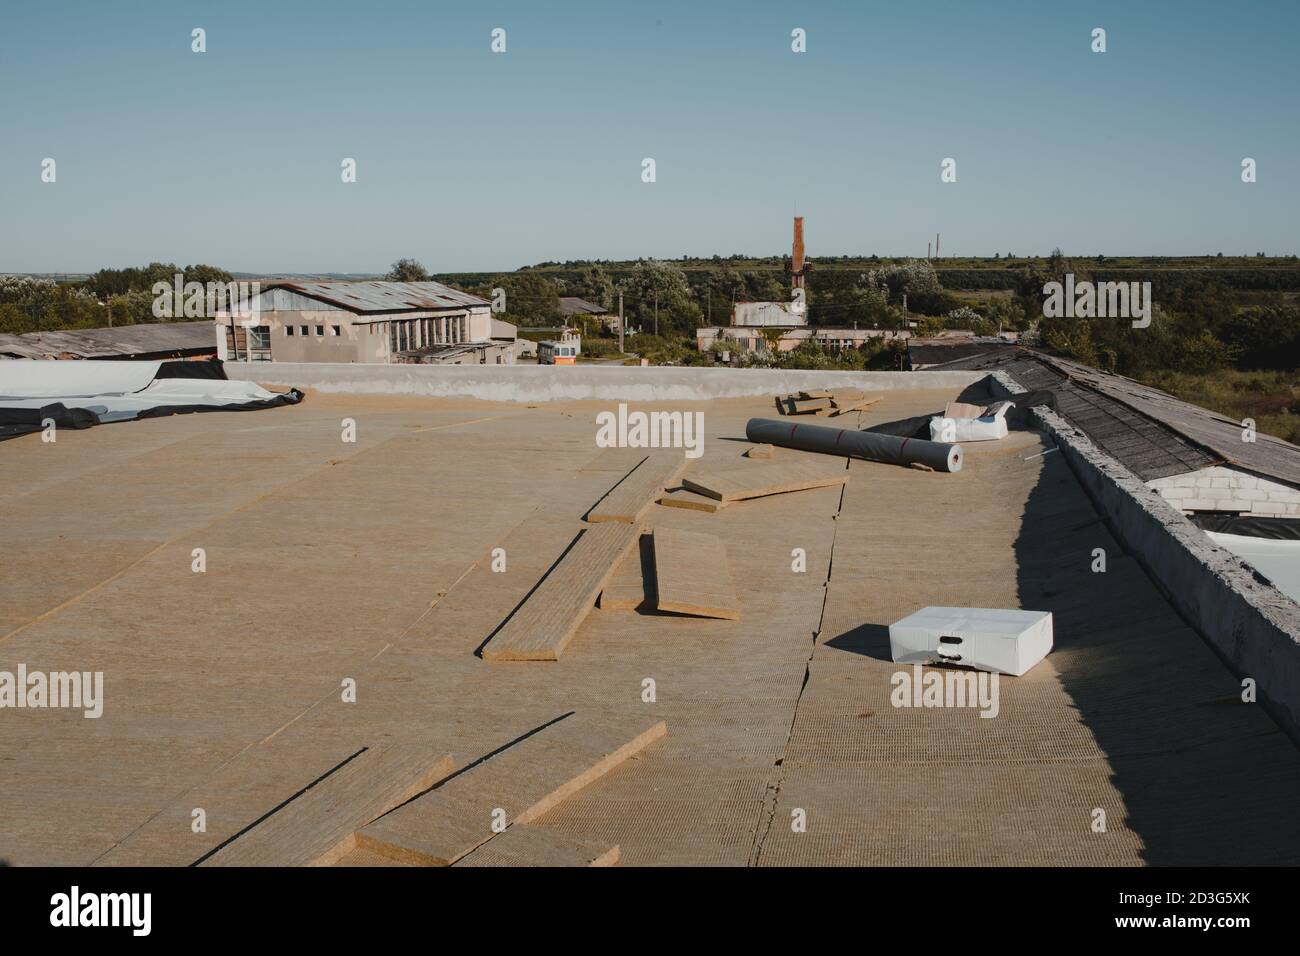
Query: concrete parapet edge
point(1253, 627)
point(543, 383)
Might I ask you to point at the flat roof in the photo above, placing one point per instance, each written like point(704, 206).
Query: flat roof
point(372, 560)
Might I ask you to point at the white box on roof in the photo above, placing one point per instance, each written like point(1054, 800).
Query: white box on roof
point(989, 639)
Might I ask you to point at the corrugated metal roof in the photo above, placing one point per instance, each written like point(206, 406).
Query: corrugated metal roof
point(117, 342)
point(382, 296)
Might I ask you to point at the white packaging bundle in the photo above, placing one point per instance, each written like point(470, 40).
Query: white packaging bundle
point(988, 639)
point(988, 427)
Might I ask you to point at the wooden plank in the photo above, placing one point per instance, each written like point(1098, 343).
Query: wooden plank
point(761, 451)
point(800, 406)
point(632, 585)
point(629, 499)
point(790, 405)
point(814, 393)
point(525, 845)
point(755, 481)
point(845, 407)
point(690, 500)
point(693, 575)
point(316, 828)
point(523, 781)
point(543, 625)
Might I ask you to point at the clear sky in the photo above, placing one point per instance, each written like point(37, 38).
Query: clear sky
point(470, 160)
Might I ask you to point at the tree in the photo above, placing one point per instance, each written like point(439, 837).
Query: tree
point(531, 298)
point(967, 318)
point(652, 281)
point(594, 285)
point(407, 270)
point(203, 274)
point(1263, 337)
point(911, 278)
point(132, 308)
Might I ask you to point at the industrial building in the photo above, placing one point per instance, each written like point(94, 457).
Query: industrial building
point(785, 340)
point(367, 322)
point(782, 326)
point(767, 315)
point(780, 315)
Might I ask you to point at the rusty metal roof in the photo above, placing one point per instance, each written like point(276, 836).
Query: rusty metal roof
point(573, 305)
point(117, 342)
point(382, 296)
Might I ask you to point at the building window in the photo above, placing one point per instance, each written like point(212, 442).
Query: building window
point(288, 330)
point(259, 343)
point(302, 330)
point(320, 330)
point(334, 330)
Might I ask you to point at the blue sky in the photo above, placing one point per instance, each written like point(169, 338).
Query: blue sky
point(471, 160)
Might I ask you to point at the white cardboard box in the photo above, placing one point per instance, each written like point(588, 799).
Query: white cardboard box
point(987, 639)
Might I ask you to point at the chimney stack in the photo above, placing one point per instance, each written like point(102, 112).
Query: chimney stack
point(796, 258)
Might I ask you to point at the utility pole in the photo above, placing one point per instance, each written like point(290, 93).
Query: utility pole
point(620, 321)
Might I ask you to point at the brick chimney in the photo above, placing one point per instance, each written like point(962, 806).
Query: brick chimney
point(796, 259)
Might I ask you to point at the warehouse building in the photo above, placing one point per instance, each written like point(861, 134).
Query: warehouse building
point(367, 322)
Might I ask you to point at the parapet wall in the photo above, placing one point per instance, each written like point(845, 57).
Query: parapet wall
point(553, 383)
point(1253, 626)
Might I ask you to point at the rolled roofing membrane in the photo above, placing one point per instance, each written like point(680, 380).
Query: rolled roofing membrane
point(1277, 560)
point(79, 394)
point(50, 379)
point(873, 446)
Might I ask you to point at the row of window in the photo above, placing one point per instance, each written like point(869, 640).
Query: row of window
point(403, 335)
point(408, 334)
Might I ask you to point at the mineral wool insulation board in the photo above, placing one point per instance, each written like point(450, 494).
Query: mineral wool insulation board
point(755, 480)
point(634, 494)
point(692, 575)
point(544, 624)
point(525, 780)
